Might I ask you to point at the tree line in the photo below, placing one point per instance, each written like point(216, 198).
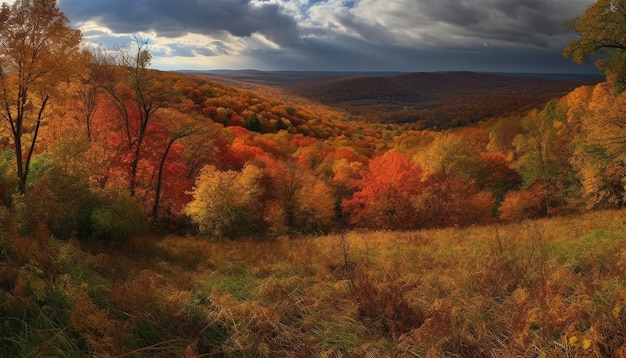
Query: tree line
point(99, 145)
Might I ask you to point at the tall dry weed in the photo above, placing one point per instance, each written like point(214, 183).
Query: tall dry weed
point(103, 334)
point(382, 302)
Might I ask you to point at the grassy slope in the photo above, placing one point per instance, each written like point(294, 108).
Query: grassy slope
point(553, 287)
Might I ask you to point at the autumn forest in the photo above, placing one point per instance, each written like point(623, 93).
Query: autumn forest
point(151, 213)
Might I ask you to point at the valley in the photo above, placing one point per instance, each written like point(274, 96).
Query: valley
point(426, 100)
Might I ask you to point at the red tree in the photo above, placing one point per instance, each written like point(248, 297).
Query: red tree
point(388, 192)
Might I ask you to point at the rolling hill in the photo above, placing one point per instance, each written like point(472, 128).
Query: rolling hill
point(429, 100)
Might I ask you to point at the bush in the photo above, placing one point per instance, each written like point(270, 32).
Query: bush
point(56, 200)
point(523, 204)
point(8, 177)
point(384, 304)
point(115, 216)
point(64, 203)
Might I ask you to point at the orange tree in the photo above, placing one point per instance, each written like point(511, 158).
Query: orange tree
point(38, 52)
point(137, 94)
point(388, 192)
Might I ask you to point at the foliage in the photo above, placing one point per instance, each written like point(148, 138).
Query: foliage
point(48, 202)
point(313, 171)
point(315, 207)
point(112, 216)
point(39, 52)
point(544, 152)
point(446, 201)
point(601, 32)
point(523, 204)
point(133, 140)
point(387, 195)
point(8, 179)
point(497, 177)
point(305, 202)
point(224, 202)
point(451, 156)
point(599, 150)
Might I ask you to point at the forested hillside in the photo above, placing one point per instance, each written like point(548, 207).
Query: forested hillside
point(428, 100)
point(191, 155)
point(302, 172)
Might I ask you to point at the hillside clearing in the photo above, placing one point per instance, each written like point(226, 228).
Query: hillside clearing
point(553, 287)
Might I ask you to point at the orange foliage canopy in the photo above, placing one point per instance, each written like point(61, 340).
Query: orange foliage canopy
point(388, 192)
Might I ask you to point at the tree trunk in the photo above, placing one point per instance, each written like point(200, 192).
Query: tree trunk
point(157, 194)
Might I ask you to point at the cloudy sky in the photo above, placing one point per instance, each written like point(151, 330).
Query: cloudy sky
point(356, 35)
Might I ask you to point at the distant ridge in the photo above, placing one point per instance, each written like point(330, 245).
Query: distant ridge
point(307, 73)
point(554, 76)
point(427, 99)
point(293, 72)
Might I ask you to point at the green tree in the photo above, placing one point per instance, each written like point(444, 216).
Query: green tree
point(38, 52)
point(451, 156)
point(601, 32)
point(543, 149)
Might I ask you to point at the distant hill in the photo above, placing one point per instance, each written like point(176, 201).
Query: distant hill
point(430, 100)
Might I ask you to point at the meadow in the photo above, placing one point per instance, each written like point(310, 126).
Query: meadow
point(545, 288)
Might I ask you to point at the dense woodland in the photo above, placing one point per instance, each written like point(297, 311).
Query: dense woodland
point(189, 154)
point(102, 157)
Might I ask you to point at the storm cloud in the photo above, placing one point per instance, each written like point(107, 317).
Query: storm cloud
point(171, 19)
point(401, 35)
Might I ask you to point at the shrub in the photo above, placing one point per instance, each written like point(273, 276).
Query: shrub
point(384, 304)
point(8, 177)
point(522, 204)
point(115, 216)
point(59, 196)
point(56, 200)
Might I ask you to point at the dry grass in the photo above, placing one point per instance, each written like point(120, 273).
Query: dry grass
point(552, 288)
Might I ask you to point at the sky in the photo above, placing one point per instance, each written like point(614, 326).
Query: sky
point(338, 35)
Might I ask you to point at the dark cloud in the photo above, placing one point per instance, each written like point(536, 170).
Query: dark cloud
point(535, 22)
point(384, 35)
point(346, 54)
point(458, 13)
point(168, 18)
point(370, 31)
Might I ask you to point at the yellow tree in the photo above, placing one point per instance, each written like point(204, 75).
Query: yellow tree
point(226, 203)
point(600, 158)
point(451, 156)
point(38, 52)
point(601, 32)
point(314, 206)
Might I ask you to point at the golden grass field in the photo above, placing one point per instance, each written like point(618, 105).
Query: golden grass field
point(545, 288)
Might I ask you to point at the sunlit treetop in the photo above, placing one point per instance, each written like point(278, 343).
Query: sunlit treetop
point(602, 33)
